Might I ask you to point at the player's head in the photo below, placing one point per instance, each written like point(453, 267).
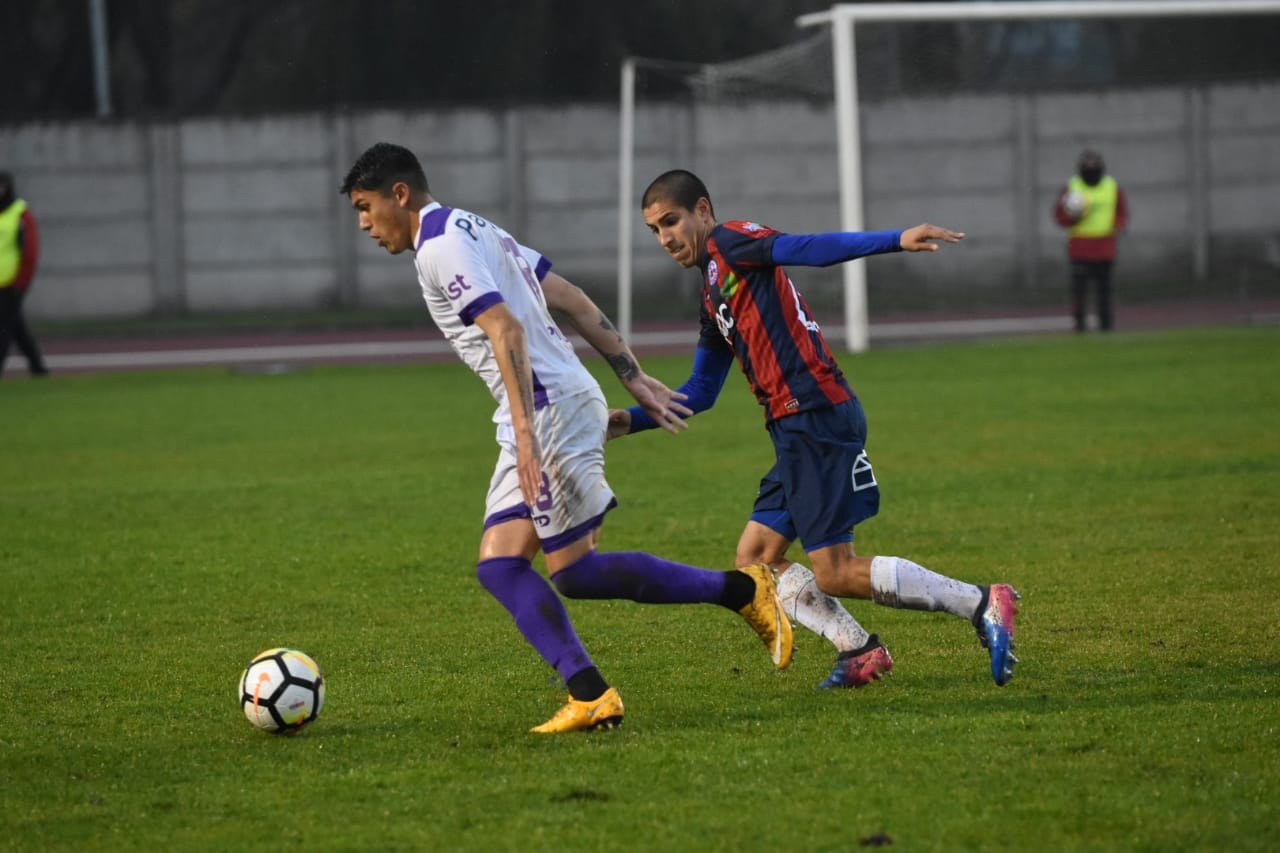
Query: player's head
point(677, 208)
point(6, 190)
point(388, 188)
point(1091, 167)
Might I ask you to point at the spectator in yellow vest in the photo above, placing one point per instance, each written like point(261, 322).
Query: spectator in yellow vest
point(19, 251)
point(1094, 210)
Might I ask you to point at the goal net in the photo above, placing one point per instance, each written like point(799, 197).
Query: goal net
point(973, 116)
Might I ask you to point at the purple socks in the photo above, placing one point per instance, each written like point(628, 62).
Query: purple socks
point(637, 576)
point(538, 611)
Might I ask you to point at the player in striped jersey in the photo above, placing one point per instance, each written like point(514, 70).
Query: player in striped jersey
point(822, 484)
point(491, 297)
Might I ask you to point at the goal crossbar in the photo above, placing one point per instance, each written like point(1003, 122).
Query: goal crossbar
point(1046, 9)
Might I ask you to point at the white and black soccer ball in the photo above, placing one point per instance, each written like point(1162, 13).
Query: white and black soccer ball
point(282, 690)
point(1074, 204)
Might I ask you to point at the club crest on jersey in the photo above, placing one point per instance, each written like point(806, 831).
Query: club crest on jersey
point(713, 274)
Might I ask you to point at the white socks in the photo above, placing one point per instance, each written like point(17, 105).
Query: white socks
point(803, 602)
point(896, 582)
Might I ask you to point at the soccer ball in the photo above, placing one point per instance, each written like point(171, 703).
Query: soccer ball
point(282, 690)
point(1074, 204)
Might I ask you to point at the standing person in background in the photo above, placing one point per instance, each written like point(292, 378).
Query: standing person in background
point(19, 252)
point(492, 297)
point(1093, 209)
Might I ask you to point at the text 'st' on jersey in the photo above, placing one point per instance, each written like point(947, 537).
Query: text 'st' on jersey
point(750, 303)
point(467, 264)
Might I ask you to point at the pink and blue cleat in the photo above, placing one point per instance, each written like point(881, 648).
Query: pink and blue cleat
point(994, 623)
point(861, 667)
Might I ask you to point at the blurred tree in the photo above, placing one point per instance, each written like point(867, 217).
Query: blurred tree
point(183, 57)
point(45, 60)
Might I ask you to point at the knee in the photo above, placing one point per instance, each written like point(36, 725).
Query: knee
point(499, 572)
point(826, 577)
point(754, 552)
point(563, 581)
point(571, 581)
point(843, 577)
point(762, 544)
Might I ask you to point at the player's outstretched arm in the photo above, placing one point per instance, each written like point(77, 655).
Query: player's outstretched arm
point(924, 238)
point(836, 247)
point(662, 404)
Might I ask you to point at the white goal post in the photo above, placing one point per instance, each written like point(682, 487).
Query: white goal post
point(842, 18)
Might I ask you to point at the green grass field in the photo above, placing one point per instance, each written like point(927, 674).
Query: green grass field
point(158, 530)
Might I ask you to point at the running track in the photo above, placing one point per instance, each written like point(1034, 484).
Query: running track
point(268, 350)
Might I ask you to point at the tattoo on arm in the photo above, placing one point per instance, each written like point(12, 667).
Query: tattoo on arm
point(609, 327)
point(625, 366)
point(526, 398)
point(622, 363)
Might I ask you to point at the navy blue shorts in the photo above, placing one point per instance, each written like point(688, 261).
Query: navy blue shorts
point(822, 483)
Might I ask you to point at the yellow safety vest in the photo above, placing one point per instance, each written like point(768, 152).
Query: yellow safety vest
point(1099, 219)
point(10, 257)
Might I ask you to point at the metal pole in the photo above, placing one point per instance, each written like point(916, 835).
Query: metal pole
point(626, 177)
point(856, 324)
point(101, 66)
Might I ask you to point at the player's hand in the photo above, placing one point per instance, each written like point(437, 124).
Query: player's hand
point(662, 404)
point(923, 238)
point(619, 424)
point(529, 469)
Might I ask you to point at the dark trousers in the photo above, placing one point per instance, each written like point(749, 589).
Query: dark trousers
point(1097, 274)
point(13, 326)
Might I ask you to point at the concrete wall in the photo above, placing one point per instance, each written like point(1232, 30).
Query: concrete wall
point(227, 215)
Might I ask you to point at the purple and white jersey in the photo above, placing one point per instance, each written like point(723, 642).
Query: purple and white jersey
point(465, 265)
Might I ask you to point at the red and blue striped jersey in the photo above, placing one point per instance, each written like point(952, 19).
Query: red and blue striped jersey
point(750, 305)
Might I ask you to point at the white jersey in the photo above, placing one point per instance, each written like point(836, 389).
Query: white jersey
point(466, 264)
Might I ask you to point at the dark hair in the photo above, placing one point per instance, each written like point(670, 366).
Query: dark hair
point(1090, 157)
point(382, 166)
point(7, 189)
point(680, 186)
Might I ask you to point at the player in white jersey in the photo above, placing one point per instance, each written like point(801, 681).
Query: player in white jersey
point(492, 298)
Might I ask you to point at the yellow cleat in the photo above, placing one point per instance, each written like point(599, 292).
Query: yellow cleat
point(604, 712)
point(765, 616)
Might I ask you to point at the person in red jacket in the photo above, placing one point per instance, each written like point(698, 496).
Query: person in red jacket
point(1094, 210)
point(19, 253)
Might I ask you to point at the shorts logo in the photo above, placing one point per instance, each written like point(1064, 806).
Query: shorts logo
point(544, 501)
point(543, 504)
point(863, 476)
